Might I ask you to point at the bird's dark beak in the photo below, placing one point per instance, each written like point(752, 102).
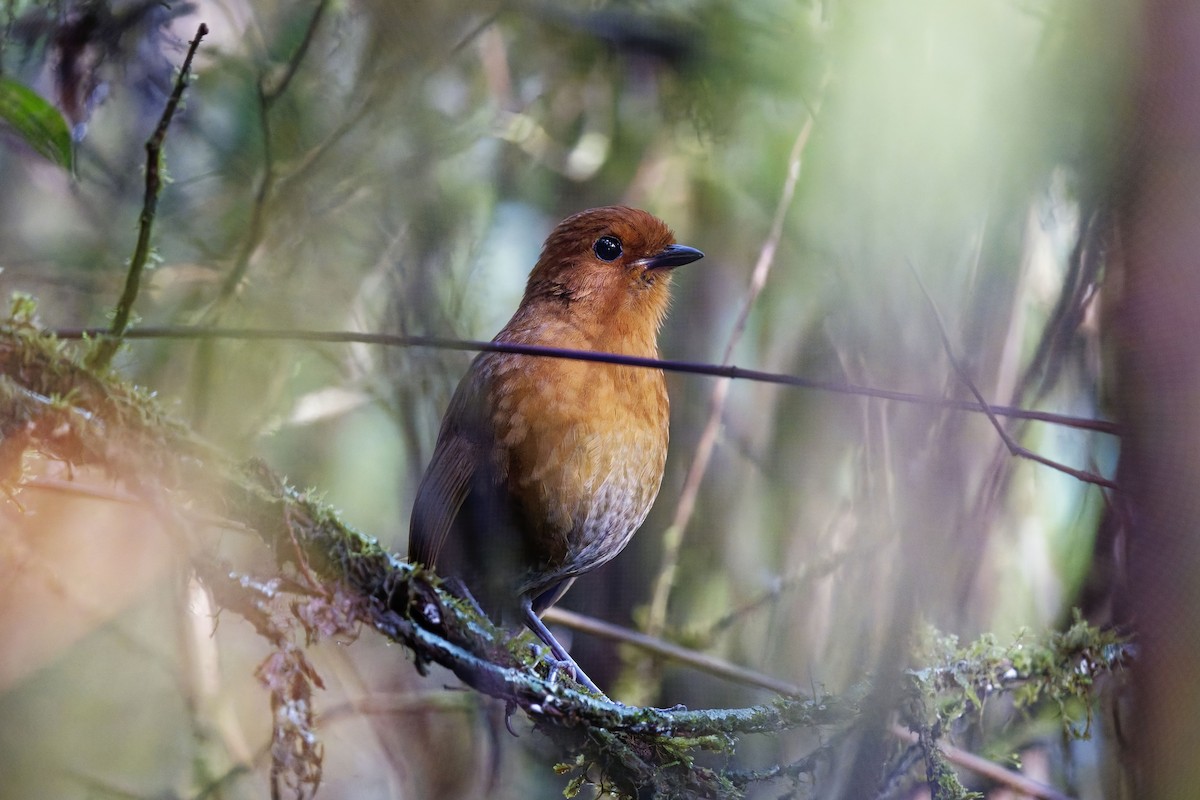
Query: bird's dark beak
point(672, 256)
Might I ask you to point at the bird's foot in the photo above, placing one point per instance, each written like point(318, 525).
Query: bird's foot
point(565, 666)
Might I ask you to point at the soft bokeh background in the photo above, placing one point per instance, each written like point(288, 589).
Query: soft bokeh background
point(403, 181)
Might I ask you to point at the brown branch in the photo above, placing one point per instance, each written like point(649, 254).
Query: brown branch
point(659, 647)
point(988, 769)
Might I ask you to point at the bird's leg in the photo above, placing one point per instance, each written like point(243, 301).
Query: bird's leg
point(562, 660)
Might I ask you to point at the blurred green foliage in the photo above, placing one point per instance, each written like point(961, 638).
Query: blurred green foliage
point(405, 176)
point(36, 122)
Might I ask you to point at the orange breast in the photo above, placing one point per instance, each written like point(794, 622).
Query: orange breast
point(583, 447)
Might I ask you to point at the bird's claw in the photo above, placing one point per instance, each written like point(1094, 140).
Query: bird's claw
point(509, 709)
point(565, 666)
point(571, 670)
point(557, 665)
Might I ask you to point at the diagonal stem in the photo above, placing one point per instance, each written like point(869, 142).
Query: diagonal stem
point(1013, 447)
point(102, 356)
point(673, 537)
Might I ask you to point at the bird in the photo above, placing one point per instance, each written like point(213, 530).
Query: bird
point(544, 468)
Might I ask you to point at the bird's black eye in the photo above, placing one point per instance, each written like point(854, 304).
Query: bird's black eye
point(607, 248)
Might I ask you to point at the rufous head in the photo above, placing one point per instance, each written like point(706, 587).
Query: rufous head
point(611, 265)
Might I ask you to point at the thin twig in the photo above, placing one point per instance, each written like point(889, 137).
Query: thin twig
point(102, 356)
point(267, 97)
point(810, 571)
point(273, 93)
point(659, 647)
point(256, 228)
point(796, 769)
point(1013, 447)
point(656, 618)
point(595, 356)
point(82, 490)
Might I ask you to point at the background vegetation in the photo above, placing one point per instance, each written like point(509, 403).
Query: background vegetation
point(383, 166)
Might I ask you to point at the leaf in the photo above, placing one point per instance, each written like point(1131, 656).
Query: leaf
point(36, 121)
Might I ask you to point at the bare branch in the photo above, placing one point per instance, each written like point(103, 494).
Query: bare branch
point(988, 769)
point(701, 661)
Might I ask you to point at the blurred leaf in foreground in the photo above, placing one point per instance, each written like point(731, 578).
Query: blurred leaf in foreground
point(36, 121)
